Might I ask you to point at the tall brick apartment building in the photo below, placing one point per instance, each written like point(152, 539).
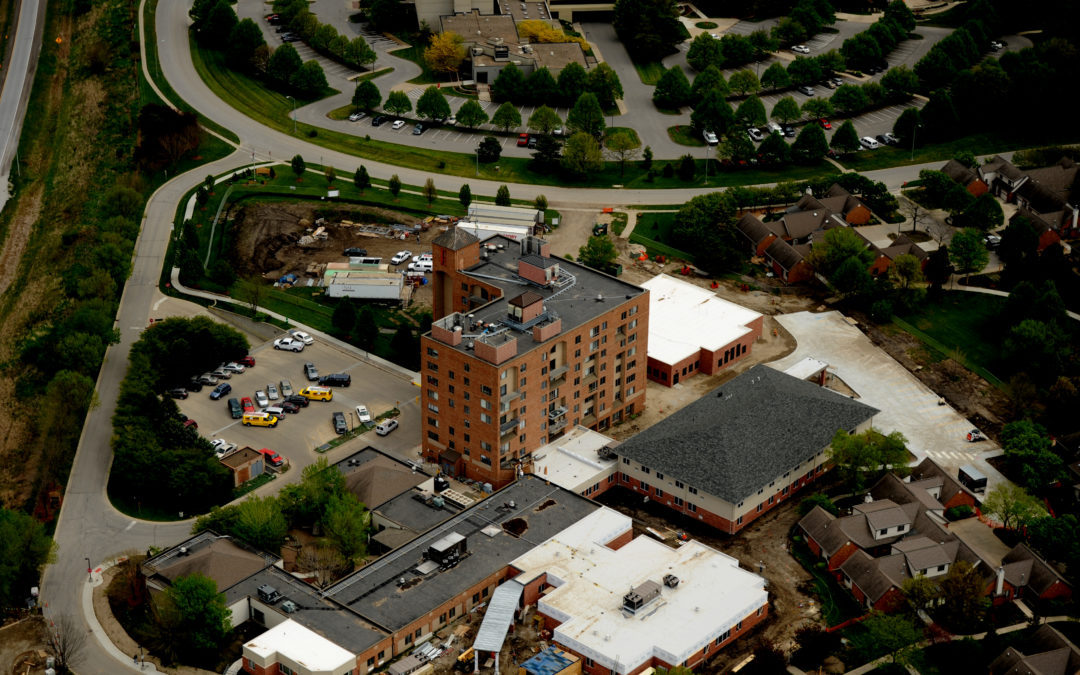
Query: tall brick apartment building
point(524, 346)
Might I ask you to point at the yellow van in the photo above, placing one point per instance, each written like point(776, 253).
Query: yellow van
point(317, 393)
point(260, 419)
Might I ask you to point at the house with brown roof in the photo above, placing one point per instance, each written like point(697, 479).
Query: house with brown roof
point(1045, 652)
point(1024, 574)
point(245, 464)
point(884, 257)
point(226, 560)
point(1049, 197)
point(968, 178)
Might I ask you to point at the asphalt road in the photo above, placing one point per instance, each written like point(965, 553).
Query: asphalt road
point(18, 79)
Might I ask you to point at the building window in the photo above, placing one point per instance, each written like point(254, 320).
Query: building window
point(442, 618)
point(692, 490)
point(659, 492)
point(484, 593)
point(692, 507)
point(453, 611)
point(432, 367)
point(589, 663)
point(408, 639)
point(759, 507)
point(485, 418)
point(418, 633)
point(659, 476)
point(645, 469)
point(678, 501)
point(625, 460)
point(759, 610)
point(382, 655)
point(432, 352)
point(371, 662)
point(678, 484)
point(485, 390)
point(432, 407)
point(738, 626)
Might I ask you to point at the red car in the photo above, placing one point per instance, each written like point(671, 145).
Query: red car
point(824, 123)
point(248, 361)
point(272, 458)
point(247, 405)
point(523, 140)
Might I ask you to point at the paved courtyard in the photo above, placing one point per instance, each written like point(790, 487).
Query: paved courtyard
point(907, 405)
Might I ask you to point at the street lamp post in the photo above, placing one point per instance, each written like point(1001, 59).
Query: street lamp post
point(89, 569)
point(913, 130)
point(478, 160)
point(706, 163)
point(293, 113)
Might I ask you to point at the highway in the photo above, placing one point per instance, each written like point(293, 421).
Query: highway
point(88, 526)
point(17, 82)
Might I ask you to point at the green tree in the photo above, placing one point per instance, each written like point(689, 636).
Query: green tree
point(649, 29)
point(818, 499)
point(542, 88)
point(465, 195)
point(544, 119)
point(215, 30)
point(347, 524)
point(587, 117)
point(846, 139)
point(361, 179)
point(888, 633)
point(623, 146)
point(867, 455)
point(705, 51)
point(673, 89)
point(324, 35)
point(714, 114)
point(775, 150)
point(818, 107)
point(707, 80)
point(1029, 452)
point(786, 110)
point(430, 193)
point(706, 224)
point(921, 592)
point(900, 81)
point(540, 203)
point(344, 317)
point(839, 244)
point(198, 620)
point(509, 85)
point(687, 167)
point(309, 80)
point(298, 165)
point(751, 112)
point(489, 150)
point(598, 253)
point(1012, 506)
point(25, 549)
point(284, 62)
point(852, 278)
point(257, 521)
point(243, 40)
point(907, 124)
point(366, 332)
point(502, 196)
point(775, 77)
point(906, 271)
point(830, 62)
point(405, 348)
point(605, 84)
point(967, 252)
point(445, 53)
point(471, 115)
point(507, 117)
point(898, 11)
point(395, 185)
point(744, 82)
point(358, 53)
point(984, 213)
point(963, 604)
point(573, 82)
point(850, 99)
point(398, 103)
point(581, 155)
point(788, 31)
point(304, 503)
point(548, 153)
point(366, 96)
point(804, 71)
point(810, 145)
point(432, 105)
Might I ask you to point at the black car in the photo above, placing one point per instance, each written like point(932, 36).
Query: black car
point(290, 37)
point(234, 408)
point(340, 425)
point(378, 120)
point(179, 392)
point(297, 400)
point(290, 407)
point(336, 380)
point(789, 131)
point(194, 385)
point(532, 142)
point(357, 252)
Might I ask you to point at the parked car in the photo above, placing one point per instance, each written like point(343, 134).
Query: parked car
point(275, 410)
point(801, 49)
point(400, 257)
point(888, 139)
point(418, 129)
point(191, 424)
point(386, 426)
point(302, 337)
point(824, 123)
point(352, 252)
point(378, 120)
point(272, 392)
point(272, 19)
point(289, 344)
point(532, 142)
point(362, 414)
point(247, 404)
point(423, 256)
point(235, 409)
point(290, 37)
point(336, 380)
point(340, 425)
point(452, 120)
point(194, 384)
point(286, 389)
point(789, 131)
point(222, 374)
point(272, 458)
point(523, 140)
point(297, 399)
point(179, 392)
point(421, 266)
point(397, 124)
point(220, 390)
point(222, 447)
point(248, 361)
point(233, 367)
point(829, 84)
point(869, 143)
point(207, 379)
point(317, 393)
point(992, 241)
point(710, 137)
point(290, 407)
point(996, 46)
point(557, 131)
point(806, 89)
point(261, 399)
point(755, 134)
point(311, 372)
point(357, 116)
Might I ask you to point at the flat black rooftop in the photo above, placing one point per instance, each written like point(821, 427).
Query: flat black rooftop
point(592, 294)
point(746, 433)
point(543, 510)
point(335, 623)
point(415, 515)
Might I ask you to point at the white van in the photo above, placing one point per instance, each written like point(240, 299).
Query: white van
point(869, 143)
point(775, 128)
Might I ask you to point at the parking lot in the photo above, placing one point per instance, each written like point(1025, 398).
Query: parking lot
point(297, 435)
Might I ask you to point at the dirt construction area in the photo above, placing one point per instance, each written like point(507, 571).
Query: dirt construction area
point(22, 648)
point(272, 239)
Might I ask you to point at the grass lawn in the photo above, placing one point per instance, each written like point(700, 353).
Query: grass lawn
point(957, 326)
point(655, 226)
point(371, 76)
point(980, 144)
point(655, 248)
point(618, 222)
point(650, 72)
point(685, 135)
point(614, 130)
point(837, 604)
point(705, 25)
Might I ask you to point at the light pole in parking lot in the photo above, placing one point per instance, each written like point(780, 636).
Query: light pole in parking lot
point(293, 113)
point(706, 162)
point(913, 130)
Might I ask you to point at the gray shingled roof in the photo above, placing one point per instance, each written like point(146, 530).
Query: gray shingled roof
point(455, 239)
point(746, 433)
point(886, 517)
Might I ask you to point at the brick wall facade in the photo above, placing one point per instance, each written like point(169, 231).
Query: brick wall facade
point(706, 361)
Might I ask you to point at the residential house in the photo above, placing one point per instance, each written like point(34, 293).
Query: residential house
point(1026, 575)
point(968, 178)
point(884, 257)
point(741, 449)
point(1045, 652)
point(1049, 197)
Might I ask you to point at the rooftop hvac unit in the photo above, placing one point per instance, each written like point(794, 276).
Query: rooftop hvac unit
point(289, 607)
point(671, 581)
point(477, 51)
point(268, 594)
point(182, 552)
